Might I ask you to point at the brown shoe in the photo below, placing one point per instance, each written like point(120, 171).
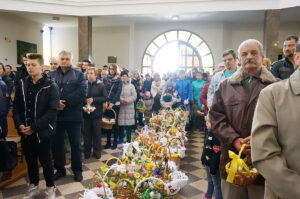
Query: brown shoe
point(68, 161)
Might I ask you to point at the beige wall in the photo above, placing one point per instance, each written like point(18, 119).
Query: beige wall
point(111, 41)
point(16, 28)
point(65, 39)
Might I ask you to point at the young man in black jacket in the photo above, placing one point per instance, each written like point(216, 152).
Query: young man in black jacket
point(72, 93)
point(35, 110)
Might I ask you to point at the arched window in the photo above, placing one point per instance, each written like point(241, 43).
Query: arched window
point(175, 50)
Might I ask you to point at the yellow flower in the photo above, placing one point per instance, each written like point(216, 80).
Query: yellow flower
point(176, 155)
point(137, 175)
point(159, 183)
point(113, 185)
point(104, 169)
point(149, 166)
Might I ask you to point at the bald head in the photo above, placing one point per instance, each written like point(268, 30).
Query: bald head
point(54, 63)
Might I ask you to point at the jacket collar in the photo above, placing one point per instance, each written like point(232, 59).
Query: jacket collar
point(295, 81)
point(265, 77)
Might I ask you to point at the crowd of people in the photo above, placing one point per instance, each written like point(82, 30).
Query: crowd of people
point(233, 106)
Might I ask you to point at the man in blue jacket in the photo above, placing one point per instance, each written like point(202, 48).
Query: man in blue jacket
point(4, 107)
point(184, 88)
point(73, 91)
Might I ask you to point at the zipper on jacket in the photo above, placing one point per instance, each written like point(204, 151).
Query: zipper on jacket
point(35, 106)
point(23, 92)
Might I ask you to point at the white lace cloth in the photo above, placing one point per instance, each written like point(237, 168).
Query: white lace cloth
point(178, 181)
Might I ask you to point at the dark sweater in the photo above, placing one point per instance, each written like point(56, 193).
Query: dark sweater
point(211, 152)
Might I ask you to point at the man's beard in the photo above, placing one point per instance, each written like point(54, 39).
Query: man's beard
point(288, 54)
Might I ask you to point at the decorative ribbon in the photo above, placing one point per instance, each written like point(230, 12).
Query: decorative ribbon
point(146, 194)
point(236, 162)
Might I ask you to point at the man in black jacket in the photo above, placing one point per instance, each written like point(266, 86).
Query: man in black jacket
point(283, 68)
point(73, 90)
point(21, 71)
point(34, 113)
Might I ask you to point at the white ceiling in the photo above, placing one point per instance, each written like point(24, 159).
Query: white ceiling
point(133, 7)
point(287, 15)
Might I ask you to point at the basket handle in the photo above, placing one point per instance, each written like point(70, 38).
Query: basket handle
point(128, 182)
point(170, 141)
point(234, 164)
point(110, 159)
point(115, 115)
point(98, 176)
point(152, 178)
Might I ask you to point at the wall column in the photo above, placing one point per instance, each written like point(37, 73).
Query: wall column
point(271, 34)
point(85, 38)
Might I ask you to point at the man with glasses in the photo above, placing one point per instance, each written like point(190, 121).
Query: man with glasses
point(230, 62)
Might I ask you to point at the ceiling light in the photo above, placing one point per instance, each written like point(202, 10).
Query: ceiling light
point(175, 17)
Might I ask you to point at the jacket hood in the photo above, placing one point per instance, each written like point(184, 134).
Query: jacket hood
point(265, 76)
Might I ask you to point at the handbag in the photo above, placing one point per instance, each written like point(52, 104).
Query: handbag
point(9, 155)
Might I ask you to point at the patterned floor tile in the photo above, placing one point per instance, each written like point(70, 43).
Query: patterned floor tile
point(17, 190)
point(70, 188)
point(188, 167)
point(200, 173)
point(189, 191)
point(73, 195)
point(201, 185)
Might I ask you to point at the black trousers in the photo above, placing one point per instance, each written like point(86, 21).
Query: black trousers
point(59, 154)
point(34, 150)
point(92, 136)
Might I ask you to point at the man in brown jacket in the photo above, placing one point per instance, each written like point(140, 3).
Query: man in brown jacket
point(276, 134)
point(232, 113)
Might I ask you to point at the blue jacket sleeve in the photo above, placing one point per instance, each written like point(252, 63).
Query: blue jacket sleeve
point(4, 100)
point(79, 95)
point(190, 95)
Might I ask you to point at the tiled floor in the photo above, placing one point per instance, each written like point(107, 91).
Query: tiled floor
point(68, 189)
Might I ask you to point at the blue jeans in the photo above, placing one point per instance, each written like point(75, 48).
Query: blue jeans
point(73, 131)
point(214, 184)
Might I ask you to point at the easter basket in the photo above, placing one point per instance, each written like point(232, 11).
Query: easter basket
point(177, 152)
point(238, 171)
point(140, 106)
point(97, 189)
point(155, 188)
point(125, 190)
point(107, 121)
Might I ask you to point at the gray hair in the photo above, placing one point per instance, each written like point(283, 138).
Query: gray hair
point(55, 58)
point(298, 47)
point(251, 41)
point(104, 72)
point(64, 52)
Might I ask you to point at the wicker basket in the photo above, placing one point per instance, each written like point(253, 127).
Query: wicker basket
point(240, 177)
point(174, 159)
point(108, 125)
point(125, 192)
point(140, 106)
point(163, 188)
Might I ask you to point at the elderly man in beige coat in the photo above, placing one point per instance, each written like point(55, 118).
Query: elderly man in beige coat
point(275, 138)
